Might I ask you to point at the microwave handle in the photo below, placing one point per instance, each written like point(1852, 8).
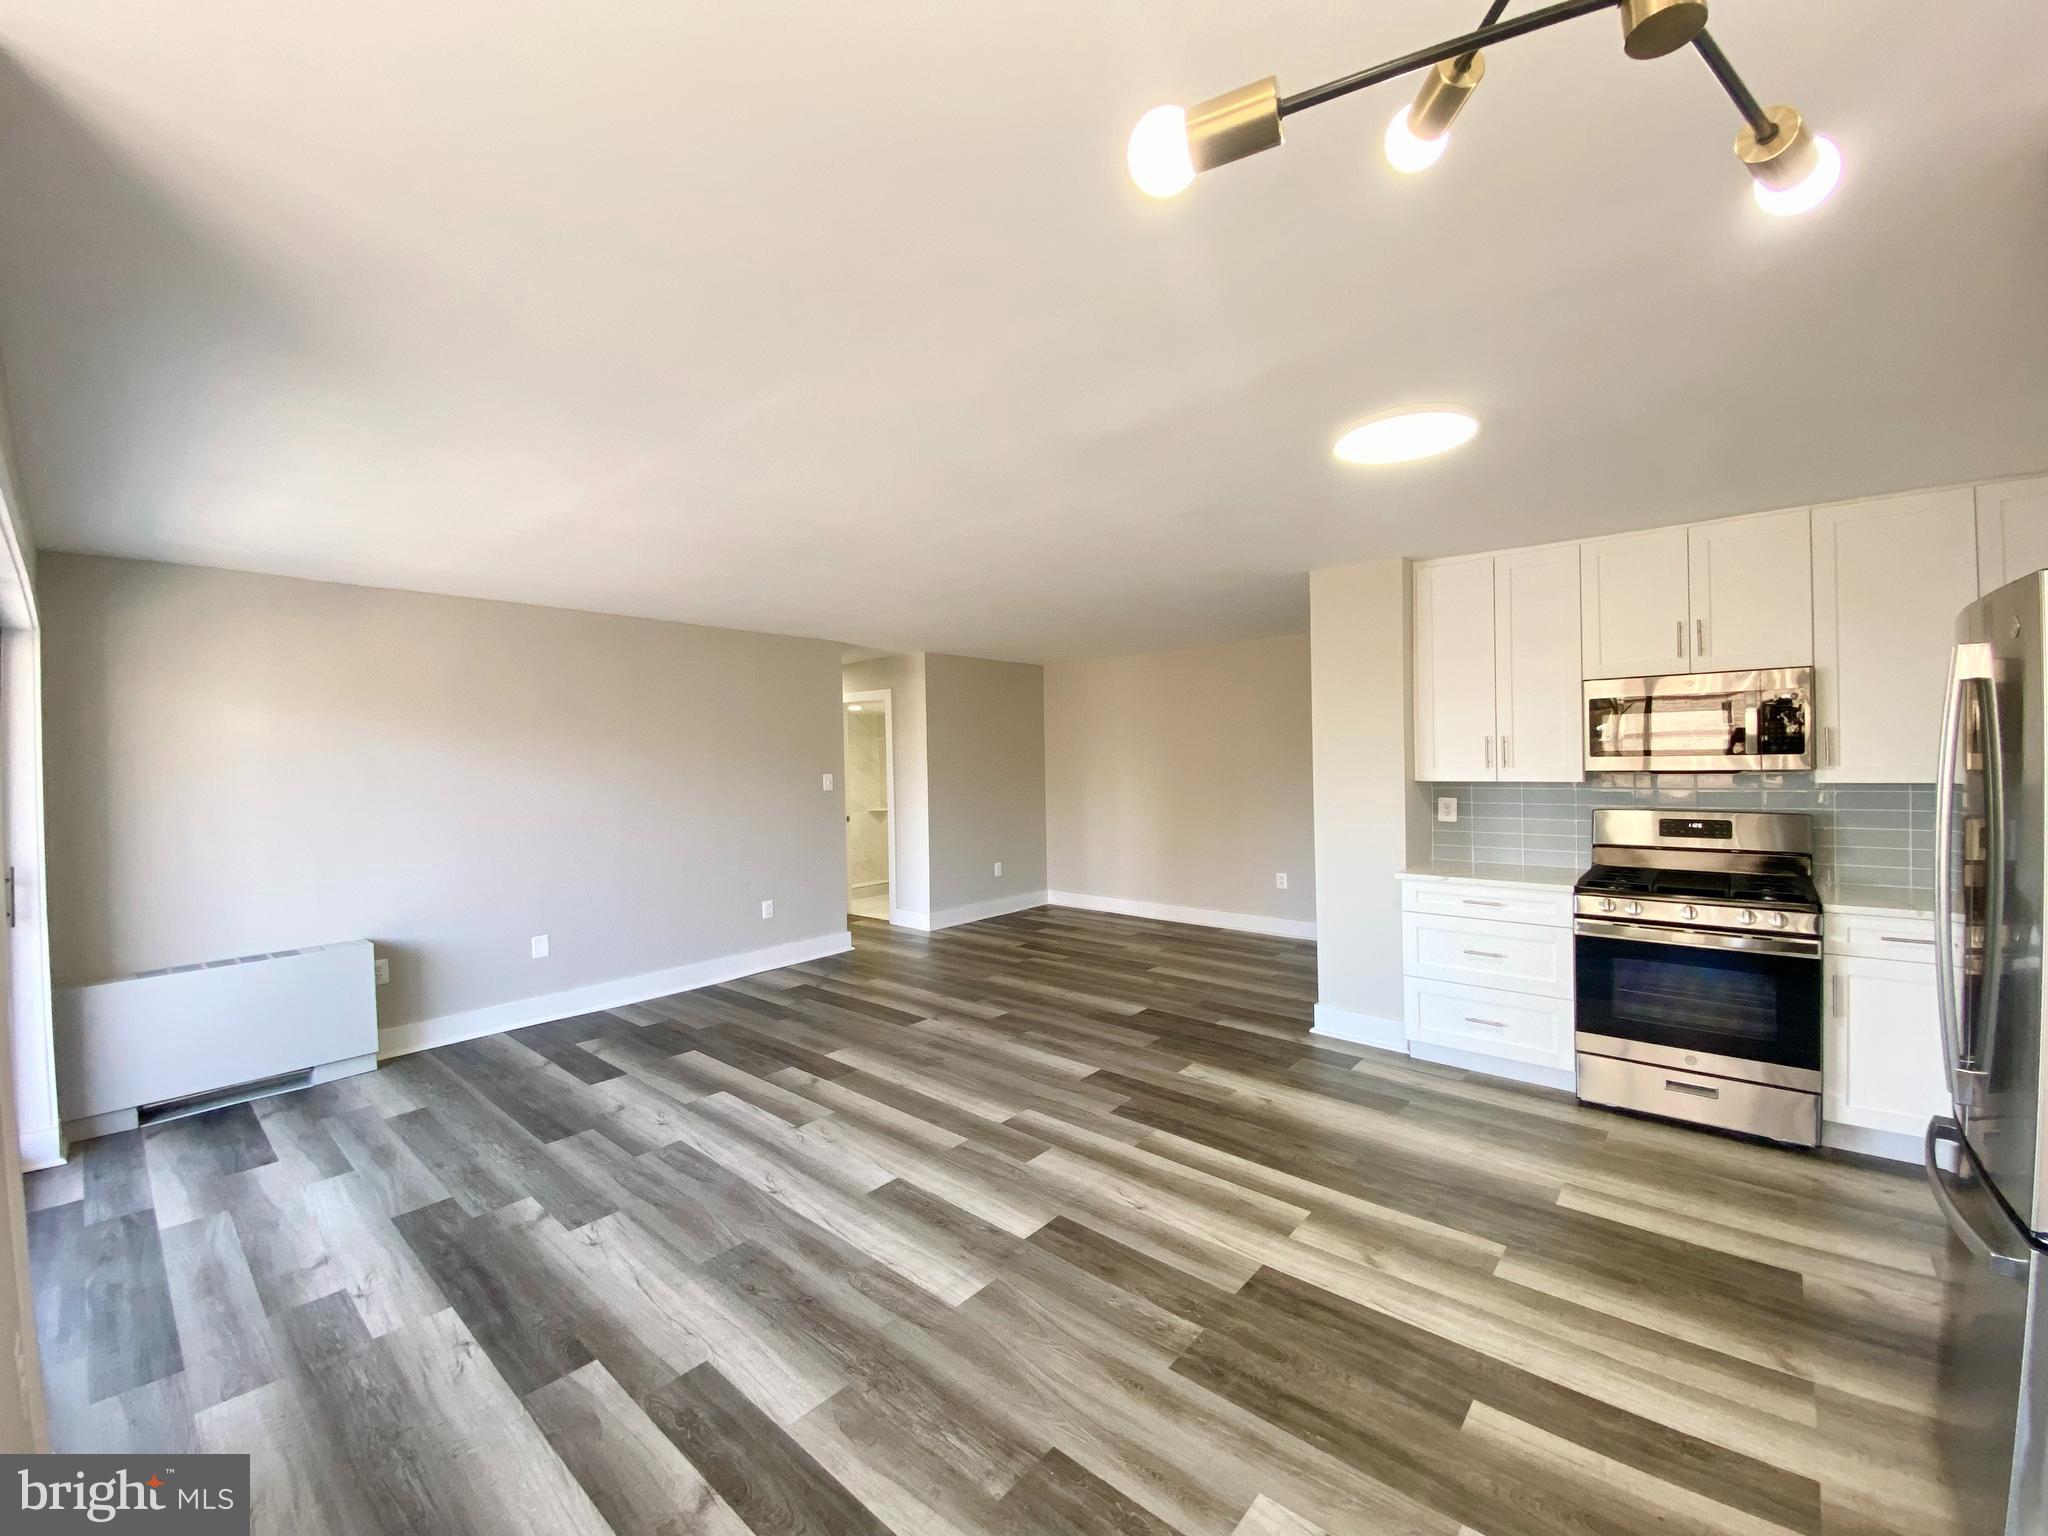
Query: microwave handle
point(1752, 722)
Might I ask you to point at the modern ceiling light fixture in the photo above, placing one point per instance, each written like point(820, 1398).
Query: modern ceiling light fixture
point(1400, 437)
point(1793, 169)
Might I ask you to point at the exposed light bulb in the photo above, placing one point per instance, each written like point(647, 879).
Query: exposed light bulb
point(1399, 436)
point(1806, 195)
point(1158, 155)
point(1406, 152)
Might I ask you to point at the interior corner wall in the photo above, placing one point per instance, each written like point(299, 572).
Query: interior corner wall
point(985, 746)
point(242, 763)
point(1181, 781)
point(910, 814)
point(1367, 807)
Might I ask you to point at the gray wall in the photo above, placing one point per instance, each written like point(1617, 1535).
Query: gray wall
point(1183, 778)
point(985, 753)
point(240, 763)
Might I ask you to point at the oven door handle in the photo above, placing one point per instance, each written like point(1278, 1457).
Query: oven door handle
point(1795, 946)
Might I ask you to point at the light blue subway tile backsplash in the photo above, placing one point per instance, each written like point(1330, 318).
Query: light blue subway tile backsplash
point(1863, 834)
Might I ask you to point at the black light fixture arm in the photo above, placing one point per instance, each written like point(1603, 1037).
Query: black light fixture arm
point(1490, 33)
point(1739, 93)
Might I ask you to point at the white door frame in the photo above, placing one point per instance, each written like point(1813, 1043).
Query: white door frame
point(882, 696)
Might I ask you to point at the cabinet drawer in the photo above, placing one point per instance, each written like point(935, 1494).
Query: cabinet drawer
point(1501, 903)
point(1513, 957)
point(1515, 1026)
point(1882, 938)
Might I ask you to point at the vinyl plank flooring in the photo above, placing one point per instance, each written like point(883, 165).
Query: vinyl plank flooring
point(1056, 1222)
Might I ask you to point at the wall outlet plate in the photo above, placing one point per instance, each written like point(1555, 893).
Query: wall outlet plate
point(767, 909)
point(1279, 882)
point(999, 866)
point(540, 946)
point(383, 971)
point(828, 781)
point(1447, 808)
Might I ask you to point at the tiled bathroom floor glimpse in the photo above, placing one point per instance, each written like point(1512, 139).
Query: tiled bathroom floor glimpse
point(1863, 834)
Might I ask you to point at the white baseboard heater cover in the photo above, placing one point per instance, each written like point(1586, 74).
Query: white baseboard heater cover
point(203, 1031)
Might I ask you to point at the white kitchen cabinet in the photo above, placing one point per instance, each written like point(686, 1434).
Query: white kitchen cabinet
point(2012, 531)
point(1635, 604)
point(1539, 702)
point(1889, 578)
point(1454, 692)
point(1752, 592)
point(1478, 1021)
point(1476, 952)
point(1882, 1050)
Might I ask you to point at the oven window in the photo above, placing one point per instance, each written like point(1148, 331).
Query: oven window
point(1756, 1007)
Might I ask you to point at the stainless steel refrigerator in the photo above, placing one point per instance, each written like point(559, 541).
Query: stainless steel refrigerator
point(1988, 1162)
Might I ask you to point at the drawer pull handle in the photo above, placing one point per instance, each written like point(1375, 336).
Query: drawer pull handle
point(1473, 901)
point(1489, 1023)
point(1893, 938)
point(1697, 1090)
point(1485, 954)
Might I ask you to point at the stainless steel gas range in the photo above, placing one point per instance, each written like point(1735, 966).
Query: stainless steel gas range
point(1697, 957)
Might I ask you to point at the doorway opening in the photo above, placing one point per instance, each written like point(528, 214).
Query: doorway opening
point(870, 781)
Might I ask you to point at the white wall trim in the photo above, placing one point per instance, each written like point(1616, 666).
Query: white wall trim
point(1895, 1145)
point(1361, 1028)
point(974, 912)
point(1201, 917)
point(447, 1029)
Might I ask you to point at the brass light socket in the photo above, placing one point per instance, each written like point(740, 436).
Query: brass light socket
point(1787, 159)
point(1652, 28)
point(1442, 97)
point(1240, 123)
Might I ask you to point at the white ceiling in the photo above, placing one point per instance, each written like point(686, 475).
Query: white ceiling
point(844, 319)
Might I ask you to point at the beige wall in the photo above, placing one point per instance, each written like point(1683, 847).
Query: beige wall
point(903, 676)
point(1183, 779)
point(1367, 807)
point(985, 750)
point(240, 763)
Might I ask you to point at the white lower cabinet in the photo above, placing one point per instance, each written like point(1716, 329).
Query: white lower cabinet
point(1882, 1048)
point(1488, 973)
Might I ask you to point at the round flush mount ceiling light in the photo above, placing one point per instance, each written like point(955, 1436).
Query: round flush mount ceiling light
point(853, 709)
point(1413, 432)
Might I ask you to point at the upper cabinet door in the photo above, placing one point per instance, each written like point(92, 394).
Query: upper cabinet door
point(1636, 614)
point(1752, 592)
point(1889, 578)
point(1539, 701)
point(1454, 690)
point(2012, 531)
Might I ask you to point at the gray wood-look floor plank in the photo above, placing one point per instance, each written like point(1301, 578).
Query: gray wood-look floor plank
point(1057, 1222)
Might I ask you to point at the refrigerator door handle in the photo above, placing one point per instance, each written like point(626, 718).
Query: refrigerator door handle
point(1969, 1208)
point(1944, 859)
point(1965, 1053)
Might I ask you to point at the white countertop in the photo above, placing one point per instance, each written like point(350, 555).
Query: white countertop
point(1875, 901)
point(1548, 877)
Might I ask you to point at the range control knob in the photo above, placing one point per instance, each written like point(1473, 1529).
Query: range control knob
point(1634, 909)
point(1688, 912)
point(1777, 919)
point(1606, 903)
point(1748, 917)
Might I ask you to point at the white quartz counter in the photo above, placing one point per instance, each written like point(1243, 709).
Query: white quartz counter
point(1542, 876)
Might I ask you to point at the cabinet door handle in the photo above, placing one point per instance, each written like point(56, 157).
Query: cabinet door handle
point(1489, 1023)
point(1507, 752)
point(1681, 639)
point(1699, 630)
point(1474, 901)
point(1485, 954)
point(1489, 751)
point(1893, 938)
point(1835, 999)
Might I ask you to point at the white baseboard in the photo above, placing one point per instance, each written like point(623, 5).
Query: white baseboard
point(495, 1020)
point(1361, 1028)
point(1496, 1066)
point(1895, 1145)
point(1201, 917)
point(974, 912)
point(42, 1149)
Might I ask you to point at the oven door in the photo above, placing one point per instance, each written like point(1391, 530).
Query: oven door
point(1745, 1006)
point(1703, 722)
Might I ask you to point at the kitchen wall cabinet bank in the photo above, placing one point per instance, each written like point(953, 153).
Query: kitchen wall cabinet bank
point(1726, 596)
point(1497, 680)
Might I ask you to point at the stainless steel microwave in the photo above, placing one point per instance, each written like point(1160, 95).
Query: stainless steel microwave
point(1701, 722)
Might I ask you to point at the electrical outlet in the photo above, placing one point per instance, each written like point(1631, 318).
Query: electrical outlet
point(767, 909)
point(1280, 882)
point(1447, 808)
point(999, 866)
point(828, 781)
point(383, 971)
point(540, 946)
